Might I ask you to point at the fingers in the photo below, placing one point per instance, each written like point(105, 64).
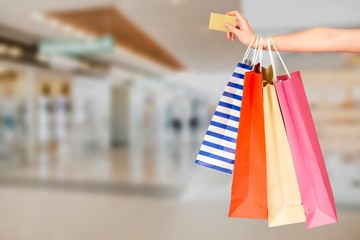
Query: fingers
point(230, 36)
point(232, 29)
point(234, 13)
point(242, 28)
point(241, 19)
point(238, 16)
point(233, 32)
point(240, 24)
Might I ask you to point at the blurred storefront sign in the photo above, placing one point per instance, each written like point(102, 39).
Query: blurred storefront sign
point(83, 47)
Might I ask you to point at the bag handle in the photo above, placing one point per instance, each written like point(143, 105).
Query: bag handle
point(272, 62)
point(256, 45)
point(269, 38)
point(259, 51)
point(246, 55)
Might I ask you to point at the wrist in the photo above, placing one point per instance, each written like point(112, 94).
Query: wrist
point(250, 39)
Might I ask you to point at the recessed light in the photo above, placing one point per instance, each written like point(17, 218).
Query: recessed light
point(80, 33)
point(67, 28)
point(53, 23)
point(15, 52)
point(89, 36)
point(37, 16)
point(3, 48)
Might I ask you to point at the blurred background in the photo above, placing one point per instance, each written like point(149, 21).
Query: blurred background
point(104, 104)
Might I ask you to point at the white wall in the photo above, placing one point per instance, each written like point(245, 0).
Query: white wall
point(292, 15)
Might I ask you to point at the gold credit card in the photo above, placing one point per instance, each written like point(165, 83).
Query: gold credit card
point(218, 21)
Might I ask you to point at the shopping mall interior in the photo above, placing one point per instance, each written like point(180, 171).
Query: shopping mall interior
point(104, 105)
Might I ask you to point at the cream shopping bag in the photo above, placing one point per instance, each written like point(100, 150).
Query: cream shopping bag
point(284, 202)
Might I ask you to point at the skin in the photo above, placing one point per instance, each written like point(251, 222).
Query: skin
point(317, 39)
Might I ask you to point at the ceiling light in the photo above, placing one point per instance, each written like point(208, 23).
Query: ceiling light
point(90, 36)
point(3, 48)
point(68, 29)
point(53, 23)
point(15, 52)
point(119, 50)
point(37, 16)
point(80, 34)
point(86, 35)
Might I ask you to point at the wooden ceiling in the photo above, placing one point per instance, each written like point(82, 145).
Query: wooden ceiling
point(108, 20)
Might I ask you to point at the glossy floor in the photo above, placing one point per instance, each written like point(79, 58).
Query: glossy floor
point(136, 194)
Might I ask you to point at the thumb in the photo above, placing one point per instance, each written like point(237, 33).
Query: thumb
point(233, 29)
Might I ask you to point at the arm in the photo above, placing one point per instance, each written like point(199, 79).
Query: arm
point(312, 40)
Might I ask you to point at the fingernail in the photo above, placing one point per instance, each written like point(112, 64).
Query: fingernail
point(227, 25)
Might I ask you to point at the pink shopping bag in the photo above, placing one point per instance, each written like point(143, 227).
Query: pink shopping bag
point(315, 189)
point(313, 180)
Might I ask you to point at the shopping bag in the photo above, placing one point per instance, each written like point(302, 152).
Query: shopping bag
point(248, 192)
point(283, 196)
point(312, 177)
point(217, 150)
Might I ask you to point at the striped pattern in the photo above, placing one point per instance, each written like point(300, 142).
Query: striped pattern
point(218, 148)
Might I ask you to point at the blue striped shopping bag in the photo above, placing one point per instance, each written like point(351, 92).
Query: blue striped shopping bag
point(218, 147)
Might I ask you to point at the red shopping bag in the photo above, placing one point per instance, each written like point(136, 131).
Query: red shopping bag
point(249, 191)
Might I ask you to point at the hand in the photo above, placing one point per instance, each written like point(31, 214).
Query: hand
point(242, 29)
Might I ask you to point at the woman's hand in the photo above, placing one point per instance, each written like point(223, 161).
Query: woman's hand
point(242, 29)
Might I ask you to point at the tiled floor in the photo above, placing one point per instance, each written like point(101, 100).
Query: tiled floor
point(53, 215)
point(127, 194)
point(121, 165)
